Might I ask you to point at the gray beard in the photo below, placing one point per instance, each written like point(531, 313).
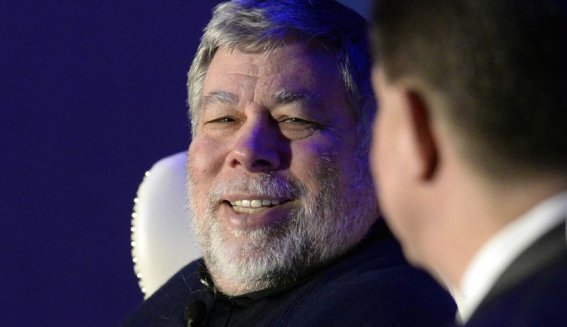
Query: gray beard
point(321, 228)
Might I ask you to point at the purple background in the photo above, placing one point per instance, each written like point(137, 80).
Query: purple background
point(91, 95)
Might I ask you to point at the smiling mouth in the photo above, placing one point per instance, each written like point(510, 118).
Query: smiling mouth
point(254, 205)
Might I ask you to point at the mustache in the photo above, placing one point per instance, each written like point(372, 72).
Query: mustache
point(265, 184)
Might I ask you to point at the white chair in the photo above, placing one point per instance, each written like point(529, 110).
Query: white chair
point(162, 241)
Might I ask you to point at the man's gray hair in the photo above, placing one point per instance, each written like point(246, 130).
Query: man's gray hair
point(265, 25)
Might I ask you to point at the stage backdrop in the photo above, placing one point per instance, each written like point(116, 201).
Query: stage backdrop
point(92, 93)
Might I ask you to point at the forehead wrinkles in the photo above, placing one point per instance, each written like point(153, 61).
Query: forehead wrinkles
point(244, 77)
point(245, 69)
point(287, 75)
point(257, 77)
point(260, 82)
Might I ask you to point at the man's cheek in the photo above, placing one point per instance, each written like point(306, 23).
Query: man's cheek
point(204, 160)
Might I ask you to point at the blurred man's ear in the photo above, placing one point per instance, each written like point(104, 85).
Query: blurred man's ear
point(419, 114)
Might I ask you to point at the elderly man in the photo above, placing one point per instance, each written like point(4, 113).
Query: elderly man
point(471, 150)
point(281, 197)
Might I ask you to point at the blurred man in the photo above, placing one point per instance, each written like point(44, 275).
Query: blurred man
point(281, 196)
point(470, 150)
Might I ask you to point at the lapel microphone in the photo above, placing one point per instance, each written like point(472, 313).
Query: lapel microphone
point(196, 313)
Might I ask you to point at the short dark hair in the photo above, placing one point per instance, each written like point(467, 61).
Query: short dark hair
point(500, 64)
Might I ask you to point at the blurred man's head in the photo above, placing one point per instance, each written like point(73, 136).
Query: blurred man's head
point(281, 108)
point(464, 85)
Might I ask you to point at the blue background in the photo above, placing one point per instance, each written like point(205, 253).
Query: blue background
point(91, 95)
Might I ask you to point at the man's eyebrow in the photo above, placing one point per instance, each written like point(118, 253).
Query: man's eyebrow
point(219, 97)
point(287, 96)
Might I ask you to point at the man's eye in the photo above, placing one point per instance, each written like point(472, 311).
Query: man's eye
point(222, 120)
point(221, 126)
point(297, 128)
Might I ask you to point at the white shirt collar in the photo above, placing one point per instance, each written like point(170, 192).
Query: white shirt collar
point(499, 252)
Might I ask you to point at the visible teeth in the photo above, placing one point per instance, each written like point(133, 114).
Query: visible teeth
point(255, 203)
point(245, 210)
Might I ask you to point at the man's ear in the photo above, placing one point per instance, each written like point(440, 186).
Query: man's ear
point(424, 137)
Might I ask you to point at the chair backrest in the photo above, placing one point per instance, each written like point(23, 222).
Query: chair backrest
point(162, 240)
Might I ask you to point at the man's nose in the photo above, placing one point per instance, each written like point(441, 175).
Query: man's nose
point(259, 146)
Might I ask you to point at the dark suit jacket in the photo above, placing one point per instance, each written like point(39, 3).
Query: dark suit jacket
point(370, 286)
point(532, 291)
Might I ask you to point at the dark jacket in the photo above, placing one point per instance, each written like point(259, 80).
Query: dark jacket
point(370, 286)
point(532, 291)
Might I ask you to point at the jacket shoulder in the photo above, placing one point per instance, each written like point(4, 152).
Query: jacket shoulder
point(375, 286)
point(540, 300)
